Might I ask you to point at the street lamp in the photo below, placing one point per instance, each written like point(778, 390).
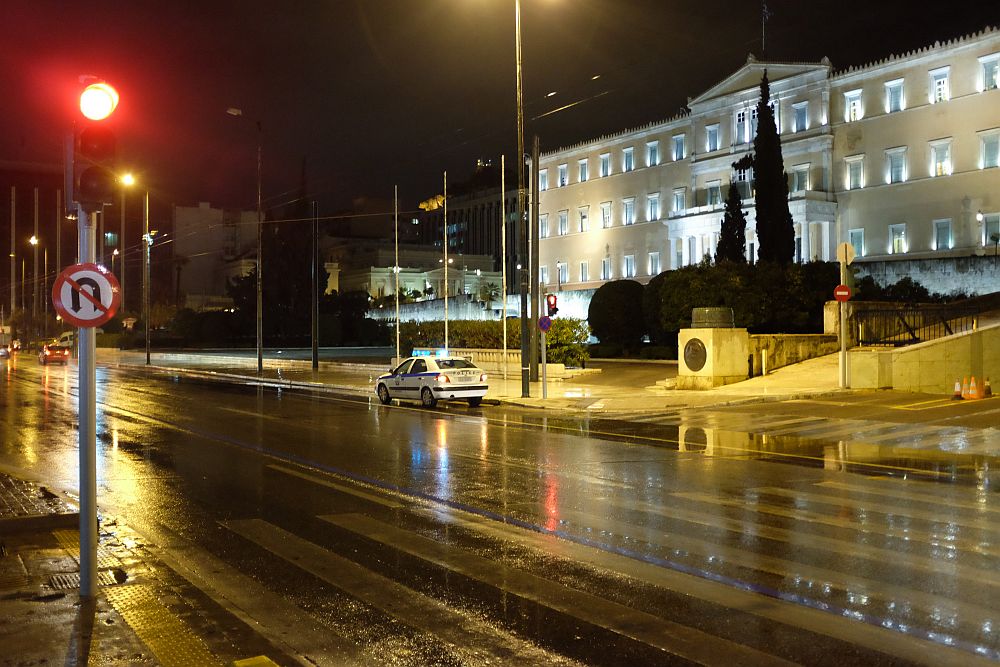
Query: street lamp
point(233, 111)
point(522, 222)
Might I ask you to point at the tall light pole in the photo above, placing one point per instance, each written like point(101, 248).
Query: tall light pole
point(34, 282)
point(233, 111)
point(522, 222)
point(127, 180)
point(147, 241)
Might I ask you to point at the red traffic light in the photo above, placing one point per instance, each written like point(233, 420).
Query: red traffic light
point(551, 300)
point(98, 101)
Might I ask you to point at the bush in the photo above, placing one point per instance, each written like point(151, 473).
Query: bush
point(606, 350)
point(615, 313)
point(652, 307)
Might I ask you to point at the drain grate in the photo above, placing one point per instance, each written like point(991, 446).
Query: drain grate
point(61, 582)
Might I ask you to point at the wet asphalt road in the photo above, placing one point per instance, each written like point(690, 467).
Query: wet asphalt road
point(496, 536)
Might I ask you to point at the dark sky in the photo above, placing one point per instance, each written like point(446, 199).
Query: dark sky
point(371, 93)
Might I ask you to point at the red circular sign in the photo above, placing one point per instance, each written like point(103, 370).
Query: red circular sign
point(86, 295)
point(842, 293)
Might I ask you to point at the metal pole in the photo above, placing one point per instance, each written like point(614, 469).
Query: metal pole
point(59, 219)
point(121, 251)
point(522, 222)
point(34, 269)
point(446, 262)
point(260, 253)
point(147, 242)
point(843, 330)
point(395, 218)
point(545, 374)
point(503, 258)
point(535, 271)
point(87, 384)
point(315, 287)
point(13, 251)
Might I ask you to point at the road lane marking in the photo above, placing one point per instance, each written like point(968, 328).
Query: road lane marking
point(338, 487)
point(923, 405)
point(897, 493)
point(469, 635)
point(677, 639)
point(842, 628)
point(807, 516)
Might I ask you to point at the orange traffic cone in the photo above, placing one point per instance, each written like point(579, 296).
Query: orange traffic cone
point(987, 389)
point(965, 387)
point(973, 390)
point(957, 396)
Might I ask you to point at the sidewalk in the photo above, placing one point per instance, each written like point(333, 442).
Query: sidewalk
point(144, 612)
point(810, 378)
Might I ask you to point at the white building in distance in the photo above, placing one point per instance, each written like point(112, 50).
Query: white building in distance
point(898, 157)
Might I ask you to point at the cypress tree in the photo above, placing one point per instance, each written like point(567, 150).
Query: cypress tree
point(775, 233)
point(733, 235)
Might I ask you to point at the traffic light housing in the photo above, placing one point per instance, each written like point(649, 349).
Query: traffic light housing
point(94, 148)
point(550, 302)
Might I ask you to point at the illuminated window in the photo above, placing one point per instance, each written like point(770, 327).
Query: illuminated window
point(741, 126)
point(990, 149)
point(628, 159)
point(543, 275)
point(563, 175)
point(543, 179)
point(605, 214)
point(679, 200)
point(855, 172)
point(940, 90)
point(584, 170)
point(941, 157)
point(584, 271)
point(543, 226)
point(629, 266)
point(895, 165)
point(712, 137)
point(897, 239)
point(856, 237)
point(654, 263)
point(753, 124)
point(583, 216)
point(800, 178)
point(653, 206)
point(563, 223)
point(894, 96)
point(628, 211)
point(714, 189)
point(679, 147)
point(990, 72)
point(853, 110)
point(942, 235)
point(606, 268)
point(800, 117)
point(562, 270)
point(605, 164)
point(652, 153)
point(991, 229)
point(776, 113)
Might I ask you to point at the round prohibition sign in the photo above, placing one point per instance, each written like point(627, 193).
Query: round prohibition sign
point(86, 295)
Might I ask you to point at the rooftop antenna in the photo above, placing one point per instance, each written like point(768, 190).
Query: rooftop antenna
point(765, 14)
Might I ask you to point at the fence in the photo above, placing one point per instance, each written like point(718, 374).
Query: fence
point(906, 325)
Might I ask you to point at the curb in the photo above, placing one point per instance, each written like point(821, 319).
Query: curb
point(39, 523)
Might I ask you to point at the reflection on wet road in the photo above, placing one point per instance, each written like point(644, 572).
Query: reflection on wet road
point(463, 537)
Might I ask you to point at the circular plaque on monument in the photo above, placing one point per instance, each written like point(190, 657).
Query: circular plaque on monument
point(695, 354)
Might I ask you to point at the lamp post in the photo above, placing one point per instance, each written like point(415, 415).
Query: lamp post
point(147, 241)
point(34, 282)
point(522, 222)
point(233, 111)
point(127, 180)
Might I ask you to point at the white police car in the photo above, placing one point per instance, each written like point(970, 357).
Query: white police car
point(433, 379)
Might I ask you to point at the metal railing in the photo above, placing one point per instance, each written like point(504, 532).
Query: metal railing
point(905, 325)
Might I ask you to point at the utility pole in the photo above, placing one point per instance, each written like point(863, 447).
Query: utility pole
point(534, 240)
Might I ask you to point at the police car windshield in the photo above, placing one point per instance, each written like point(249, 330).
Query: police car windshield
point(454, 363)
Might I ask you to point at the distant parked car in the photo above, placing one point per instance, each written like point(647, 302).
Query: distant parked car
point(433, 379)
point(54, 354)
point(4, 351)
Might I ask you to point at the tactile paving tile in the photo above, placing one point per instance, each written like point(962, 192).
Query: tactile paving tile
point(72, 580)
point(168, 637)
point(70, 541)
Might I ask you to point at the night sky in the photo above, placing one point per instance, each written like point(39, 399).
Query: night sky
point(371, 93)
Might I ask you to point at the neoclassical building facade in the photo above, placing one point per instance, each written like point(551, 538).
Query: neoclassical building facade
point(898, 158)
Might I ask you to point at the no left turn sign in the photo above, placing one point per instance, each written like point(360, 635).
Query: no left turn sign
point(86, 295)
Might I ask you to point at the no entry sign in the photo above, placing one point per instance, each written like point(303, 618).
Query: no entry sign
point(86, 295)
point(842, 293)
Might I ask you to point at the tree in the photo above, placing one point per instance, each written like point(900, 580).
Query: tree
point(775, 233)
point(733, 236)
point(615, 313)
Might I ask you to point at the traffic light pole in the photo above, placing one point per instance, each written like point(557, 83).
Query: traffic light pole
point(87, 390)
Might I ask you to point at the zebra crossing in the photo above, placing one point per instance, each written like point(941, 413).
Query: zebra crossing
point(860, 570)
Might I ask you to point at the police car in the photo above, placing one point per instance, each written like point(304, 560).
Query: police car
point(433, 379)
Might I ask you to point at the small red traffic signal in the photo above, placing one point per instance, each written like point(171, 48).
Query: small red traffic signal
point(550, 302)
point(94, 154)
